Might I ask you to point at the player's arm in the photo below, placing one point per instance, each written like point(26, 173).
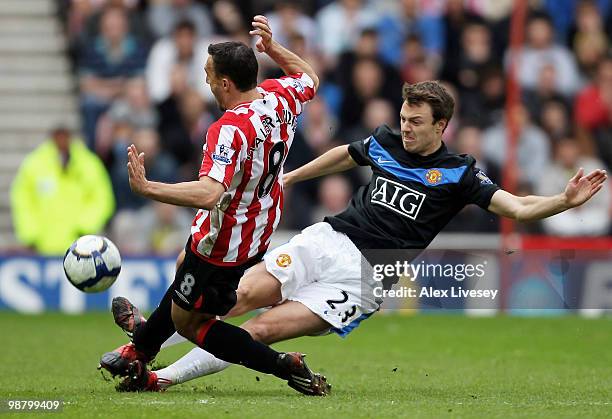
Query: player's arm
point(579, 189)
point(335, 160)
point(203, 193)
point(289, 62)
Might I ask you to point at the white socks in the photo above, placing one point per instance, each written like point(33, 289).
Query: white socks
point(173, 340)
point(196, 363)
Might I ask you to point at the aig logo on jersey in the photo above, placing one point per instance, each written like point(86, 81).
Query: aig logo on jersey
point(397, 197)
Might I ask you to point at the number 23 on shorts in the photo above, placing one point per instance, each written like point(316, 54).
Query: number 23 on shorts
point(348, 313)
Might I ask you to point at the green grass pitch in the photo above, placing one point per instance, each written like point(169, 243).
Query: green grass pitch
point(391, 366)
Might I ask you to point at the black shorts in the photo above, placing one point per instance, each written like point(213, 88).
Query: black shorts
point(207, 288)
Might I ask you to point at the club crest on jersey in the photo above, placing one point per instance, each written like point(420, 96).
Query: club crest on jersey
point(283, 260)
point(484, 179)
point(433, 176)
point(397, 197)
point(267, 126)
point(223, 154)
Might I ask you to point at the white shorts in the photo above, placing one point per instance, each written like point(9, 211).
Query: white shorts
point(321, 268)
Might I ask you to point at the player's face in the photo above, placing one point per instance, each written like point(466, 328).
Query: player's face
point(419, 133)
point(215, 82)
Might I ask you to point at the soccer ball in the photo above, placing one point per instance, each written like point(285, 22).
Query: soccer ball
point(92, 263)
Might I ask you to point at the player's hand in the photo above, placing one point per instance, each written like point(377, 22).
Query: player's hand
point(581, 188)
point(262, 29)
point(136, 171)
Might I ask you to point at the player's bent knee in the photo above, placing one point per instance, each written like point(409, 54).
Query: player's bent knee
point(244, 295)
point(245, 301)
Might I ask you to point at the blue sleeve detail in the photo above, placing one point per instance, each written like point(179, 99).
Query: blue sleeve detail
point(428, 177)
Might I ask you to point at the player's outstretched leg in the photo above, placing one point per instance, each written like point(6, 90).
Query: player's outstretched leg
point(233, 344)
point(285, 321)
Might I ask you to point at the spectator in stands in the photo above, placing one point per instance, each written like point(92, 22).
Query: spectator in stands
point(301, 198)
point(377, 112)
point(339, 25)
point(182, 49)
point(593, 113)
point(105, 64)
point(164, 15)
point(156, 228)
point(470, 141)
point(183, 120)
point(132, 111)
point(196, 116)
point(367, 47)
point(366, 54)
point(467, 71)
point(490, 108)
point(592, 218)
point(476, 55)
point(288, 19)
point(450, 132)
point(368, 82)
point(456, 16)
point(555, 119)
point(533, 147)
point(405, 20)
point(229, 22)
point(540, 51)
point(159, 166)
point(594, 103)
point(545, 91)
point(415, 64)
point(318, 126)
point(61, 191)
point(334, 195)
point(473, 218)
point(85, 16)
point(588, 39)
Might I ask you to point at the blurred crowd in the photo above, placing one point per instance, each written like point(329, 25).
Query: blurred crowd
point(141, 79)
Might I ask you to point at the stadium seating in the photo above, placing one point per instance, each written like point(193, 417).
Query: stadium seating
point(36, 89)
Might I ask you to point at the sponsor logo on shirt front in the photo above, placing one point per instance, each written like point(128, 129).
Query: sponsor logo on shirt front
point(397, 197)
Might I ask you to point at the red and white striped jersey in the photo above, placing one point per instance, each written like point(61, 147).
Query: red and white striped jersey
point(245, 150)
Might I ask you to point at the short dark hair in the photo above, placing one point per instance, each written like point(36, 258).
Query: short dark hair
point(236, 61)
point(434, 94)
point(185, 24)
point(542, 16)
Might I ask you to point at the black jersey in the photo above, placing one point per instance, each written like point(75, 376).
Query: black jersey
point(410, 198)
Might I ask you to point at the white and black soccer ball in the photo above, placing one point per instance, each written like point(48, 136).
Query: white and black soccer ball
point(92, 263)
